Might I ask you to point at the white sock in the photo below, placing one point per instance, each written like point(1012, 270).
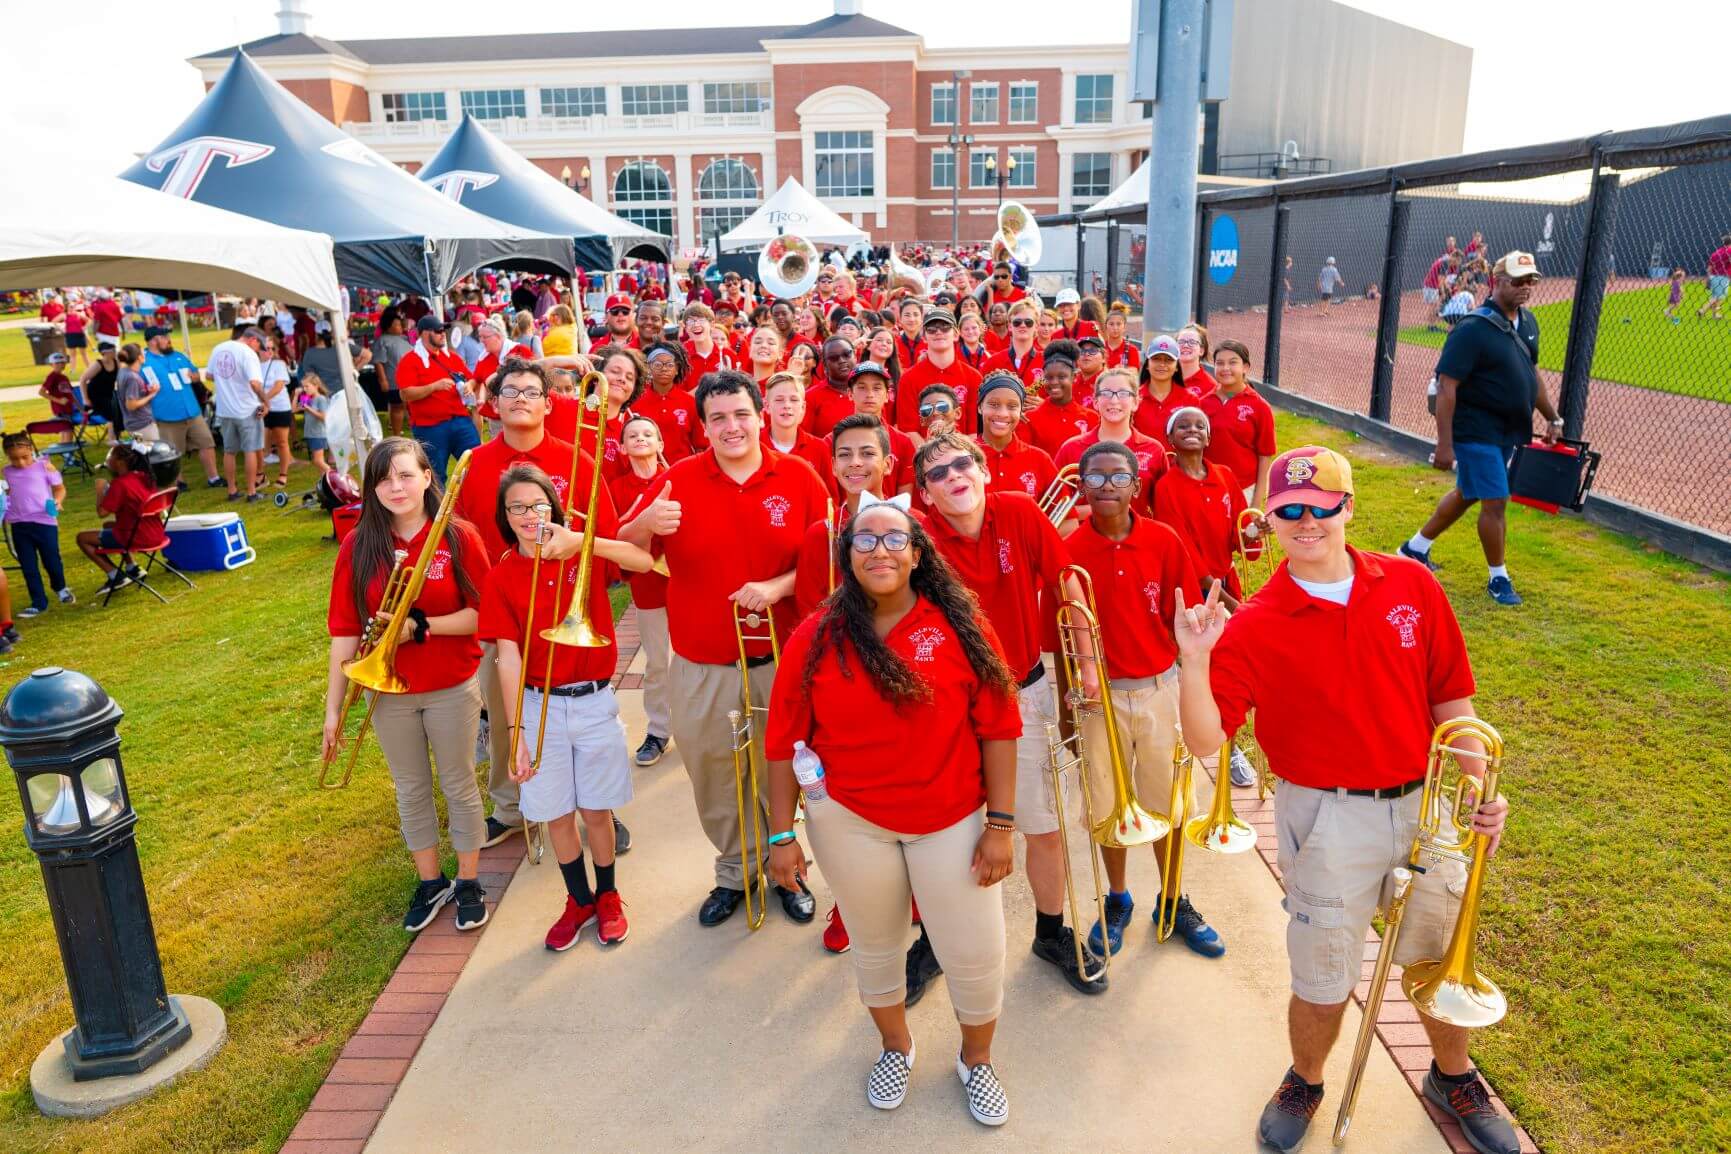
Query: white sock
point(1420, 543)
point(1499, 571)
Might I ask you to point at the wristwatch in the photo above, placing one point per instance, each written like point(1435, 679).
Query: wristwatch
point(1556, 422)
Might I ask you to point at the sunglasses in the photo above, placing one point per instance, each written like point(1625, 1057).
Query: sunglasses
point(960, 466)
point(1021, 323)
point(1101, 480)
point(935, 409)
point(618, 312)
point(1297, 512)
point(895, 541)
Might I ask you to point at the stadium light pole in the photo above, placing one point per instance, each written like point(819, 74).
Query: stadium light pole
point(956, 143)
point(1169, 262)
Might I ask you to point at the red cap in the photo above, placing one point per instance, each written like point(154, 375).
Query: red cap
point(617, 301)
point(1311, 475)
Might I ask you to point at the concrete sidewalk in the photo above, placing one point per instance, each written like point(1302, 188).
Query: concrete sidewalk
point(716, 1039)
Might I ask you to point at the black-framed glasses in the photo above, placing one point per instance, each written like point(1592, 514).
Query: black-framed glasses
point(961, 466)
point(1297, 512)
point(895, 541)
point(1118, 480)
point(520, 509)
point(512, 392)
point(1022, 323)
point(935, 409)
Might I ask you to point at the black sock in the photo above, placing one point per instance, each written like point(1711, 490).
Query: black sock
point(1048, 925)
point(1313, 1087)
point(577, 881)
point(1452, 1079)
point(604, 878)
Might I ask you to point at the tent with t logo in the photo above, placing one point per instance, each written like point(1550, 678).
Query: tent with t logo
point(792, 210)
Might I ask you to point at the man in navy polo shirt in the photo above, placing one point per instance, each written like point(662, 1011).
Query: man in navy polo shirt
point(1487, 386)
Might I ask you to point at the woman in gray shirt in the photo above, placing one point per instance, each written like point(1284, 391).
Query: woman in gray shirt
point(389, 348)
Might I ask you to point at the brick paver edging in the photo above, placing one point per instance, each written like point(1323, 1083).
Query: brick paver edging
point(366, 1075)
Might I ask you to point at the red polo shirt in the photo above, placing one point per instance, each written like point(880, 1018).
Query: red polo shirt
point(1241, 429)
point(1050, 425)
point(1204, 514)
point(1133, 583)
point(824, 406)
point(629, 341)
point(1201, 382)
point(1152, 413)
point(675, 414)
point(1019, 468)
point(413, 371)
point(1082, 328)
point(505, 613)
point(994, 342)
point(729, 534)
point(899, 478)
point(1125, 355)
point(908, 350)
point(630, 494)
point(814, 451)
point(126, 499)
point(959, 375)
point(478, 499)
point(975, 358)
point(440, 661)
point(1017, 554)
point(612, 457)
point(1343, 693)
point(1030, 367)
point(1015, 294)
point(719, 358)
point(1150, 459)
point(914, 767)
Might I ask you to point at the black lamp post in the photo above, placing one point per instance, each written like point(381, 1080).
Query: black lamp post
point(999, 175)
point(582, 184)
point(60, 732)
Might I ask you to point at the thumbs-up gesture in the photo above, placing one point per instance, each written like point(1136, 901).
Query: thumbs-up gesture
point(1198, 627)
point(663, 512)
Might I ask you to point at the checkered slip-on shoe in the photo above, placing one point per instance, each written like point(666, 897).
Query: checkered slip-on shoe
point(887, 1084)
point(986, 1100)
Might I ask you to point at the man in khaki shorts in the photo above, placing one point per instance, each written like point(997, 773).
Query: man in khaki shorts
point(1349, 659)
point(179, 416)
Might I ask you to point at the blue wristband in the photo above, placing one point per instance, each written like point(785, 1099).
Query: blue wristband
point(782, 838)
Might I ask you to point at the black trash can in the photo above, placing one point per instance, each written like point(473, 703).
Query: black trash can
point(45, 340)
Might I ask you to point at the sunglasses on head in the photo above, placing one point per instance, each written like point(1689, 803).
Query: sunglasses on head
point(1297, 512)
point(961, 466)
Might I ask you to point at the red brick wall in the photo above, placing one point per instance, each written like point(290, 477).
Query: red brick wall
point(1051, 85)
point(350, 102)
point(892, 82)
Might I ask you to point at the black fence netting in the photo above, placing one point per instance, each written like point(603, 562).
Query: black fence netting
point(1333, 267)
point(1233, 302)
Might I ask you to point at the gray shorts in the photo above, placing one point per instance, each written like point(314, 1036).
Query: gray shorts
point(241, 434)
point(583, 762)
point(190, 436)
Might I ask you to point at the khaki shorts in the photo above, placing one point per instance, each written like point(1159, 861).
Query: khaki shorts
point(1147, 711)
point(190, 436)
point(1036, 808)
point(1336, 853)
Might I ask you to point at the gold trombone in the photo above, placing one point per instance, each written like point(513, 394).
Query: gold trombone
point(1449, 989)
point(1062, 494)
point(1217, 831)
point(1253, 572)
point(750, 626)
point(1064, 754)
point(369, 637)
point(375, 669)
point(832, 526)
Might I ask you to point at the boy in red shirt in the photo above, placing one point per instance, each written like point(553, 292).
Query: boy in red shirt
point(1004, 289)
point(939, 366)
point(126, 497)
point(57, 387)
point(870, 388)
point(1242, 423)
point(1202, 502)
point(1014, 465)
point(831, 399)
point(784, 412)
point(703, 353)
point(860, 465)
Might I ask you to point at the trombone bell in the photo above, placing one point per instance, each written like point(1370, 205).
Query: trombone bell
point(375, 672)
point(1220, 830)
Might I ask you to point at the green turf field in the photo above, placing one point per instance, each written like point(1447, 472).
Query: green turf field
point(16, 367)
point(1637, 344)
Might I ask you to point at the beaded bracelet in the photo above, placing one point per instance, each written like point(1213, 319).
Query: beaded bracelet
point(781, 838)
point(1000, 827)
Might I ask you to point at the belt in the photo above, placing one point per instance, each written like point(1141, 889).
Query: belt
point(1034, 675)
point(759, 662)
point(1388, 793)
point(575, 689)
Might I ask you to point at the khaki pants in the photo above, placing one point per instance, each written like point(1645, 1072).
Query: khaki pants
point(500, 787)
point(1147, 711)
point(706, 693)
point(446, 721)
point(657, 652)
point(872, 871)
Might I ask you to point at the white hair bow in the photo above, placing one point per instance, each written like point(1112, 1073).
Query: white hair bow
point(902, 501)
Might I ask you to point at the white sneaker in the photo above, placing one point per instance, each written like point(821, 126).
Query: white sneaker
point(1243, 773)
point(887, 1084)
point(67, 597)
point(986, 1100)
point(270, 458)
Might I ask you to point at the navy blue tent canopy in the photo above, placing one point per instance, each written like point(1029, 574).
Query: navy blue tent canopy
point(482, 172)
point(252, 147)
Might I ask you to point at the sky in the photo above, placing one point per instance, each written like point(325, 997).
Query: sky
point(114, 76)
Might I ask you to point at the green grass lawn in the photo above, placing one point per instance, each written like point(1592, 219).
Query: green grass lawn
point(1605, 919)
point(16, 367)
point(1637, 345)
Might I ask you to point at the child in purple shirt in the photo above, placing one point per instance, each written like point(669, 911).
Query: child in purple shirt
point(34, 493)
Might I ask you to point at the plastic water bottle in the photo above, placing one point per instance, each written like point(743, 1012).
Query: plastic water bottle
point(809, 770)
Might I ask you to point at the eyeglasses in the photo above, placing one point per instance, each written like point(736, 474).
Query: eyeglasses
point(519, 509)
point(1000, 276)
point(895, 541)
point(1296, 512)
point(935, 409)
point(961, 466)
point(1022, 323)
point(618, 312)
point(1101, 480)
point(512, 392)
point(1113, 394)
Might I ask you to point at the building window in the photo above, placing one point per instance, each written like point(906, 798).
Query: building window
point(983, 103)
point(844, 164)
point(980, 176)
point(1091, 176)
point(719, 99)
point(494, 103)
point(943, 104)
point(943, 168)
point(1094, 99)
point(574, 101)
point(1025, 102)
point(1023, 174)
point(642, 180)
point(654, 99)
point(402, 107)
point(654, 219)
point(714, 220)
point(727, 179)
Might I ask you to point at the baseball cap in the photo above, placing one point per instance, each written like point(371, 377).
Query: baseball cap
point(1311, 475)
point(57, 358)
point(1068, 296)
point(151, 332)
point(1516, 264)
point(1162, 346)
point(431, 324)
point(867, 369)
point(938, 316)
point(1091, 339)
point(617, 301)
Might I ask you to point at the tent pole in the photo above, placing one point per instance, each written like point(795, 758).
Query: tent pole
point(185, 325)
point(351, 388)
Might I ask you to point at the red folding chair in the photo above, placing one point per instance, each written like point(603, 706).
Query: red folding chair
point(160, 506)
point(61, 454)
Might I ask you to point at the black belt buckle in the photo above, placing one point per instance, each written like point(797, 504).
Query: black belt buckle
point(1034, 675)
point(759, 662)
point(577, 689)
point(1388, 793)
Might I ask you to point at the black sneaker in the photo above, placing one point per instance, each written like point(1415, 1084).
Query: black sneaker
point(1195, 930)
point(1406, 550)
point(1469, 1103)
point(1287, 1115)
point(799, 906)
point(719, 906)
point(1060, 950)
point(11, 635)
point(650, 751)
point(621, 838)
point(116, 580)
point(135, 573)
point(922, 967)
point(5, 647)
point(498, 831)
point(429, 896)
point(471, 909)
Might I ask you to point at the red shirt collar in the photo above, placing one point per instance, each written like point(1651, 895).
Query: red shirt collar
point(771, 461)
point(1284, 594)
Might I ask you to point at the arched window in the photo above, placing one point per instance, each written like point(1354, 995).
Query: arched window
point(642, 180)
point(727, 179)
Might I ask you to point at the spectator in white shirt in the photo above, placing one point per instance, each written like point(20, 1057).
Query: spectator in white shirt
point(237, 382)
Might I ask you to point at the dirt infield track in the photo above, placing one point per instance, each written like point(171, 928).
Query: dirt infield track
point(1662, 451)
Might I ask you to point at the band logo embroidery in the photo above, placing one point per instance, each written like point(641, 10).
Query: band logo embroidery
point(1028, 483)
point(1405, 620)
point(1245, 412)
point(679, 417)
point(440, 564)
point(1152, 589)
point(926, 642)
point(1300, 470)
point(778, 507)
point(1005, 565)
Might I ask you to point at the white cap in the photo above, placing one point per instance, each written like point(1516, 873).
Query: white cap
point(1068, 296)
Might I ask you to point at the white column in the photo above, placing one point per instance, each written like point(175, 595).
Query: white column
point(599, 192)
point(684, 200)
point(766, 174)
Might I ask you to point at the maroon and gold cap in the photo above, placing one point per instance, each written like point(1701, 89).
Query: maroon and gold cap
point(1311, 475)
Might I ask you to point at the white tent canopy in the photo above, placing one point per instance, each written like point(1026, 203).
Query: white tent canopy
point(791, 210)
point(1132, 193)
point(74, 229)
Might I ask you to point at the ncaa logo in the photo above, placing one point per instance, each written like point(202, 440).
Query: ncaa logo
point(191, 160)
point(1222, 249)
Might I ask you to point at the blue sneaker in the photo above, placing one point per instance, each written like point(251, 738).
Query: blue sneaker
point(1196, 932)
point(1502, 591)
point(1119, 908)
point(1406, 550)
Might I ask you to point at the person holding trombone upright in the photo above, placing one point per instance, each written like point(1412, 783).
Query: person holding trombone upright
point(1350, 661)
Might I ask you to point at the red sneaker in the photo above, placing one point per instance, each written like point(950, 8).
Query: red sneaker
point(610, 918)
point(835, 934)
point(569, 927)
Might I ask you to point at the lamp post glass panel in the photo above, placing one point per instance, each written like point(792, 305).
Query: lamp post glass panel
point(61, 735)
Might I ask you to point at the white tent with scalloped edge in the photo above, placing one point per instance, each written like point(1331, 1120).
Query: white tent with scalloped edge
point(792, 210)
